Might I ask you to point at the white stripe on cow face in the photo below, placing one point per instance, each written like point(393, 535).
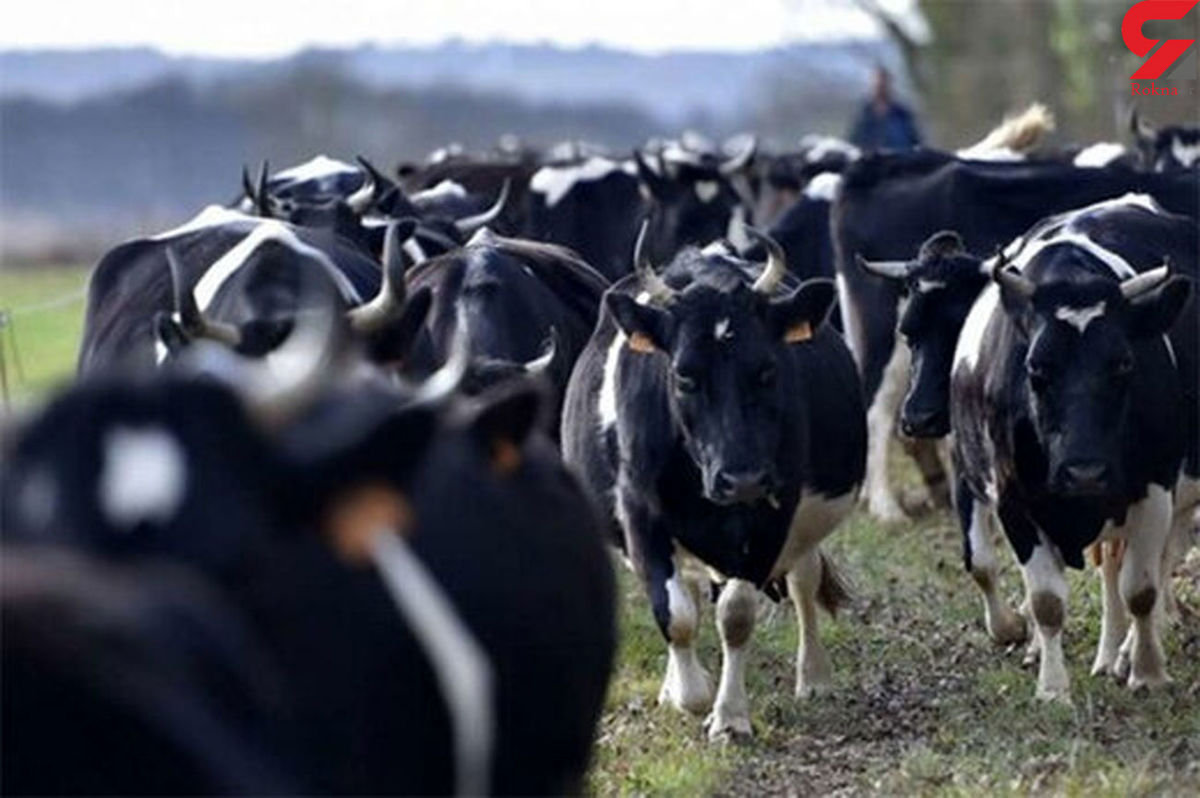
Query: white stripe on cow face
point(1186, 154)
point(706, 190)
point(824, 187)
point(1080, 318)
point(925, 286)
point(143, 476)
point(211, 281)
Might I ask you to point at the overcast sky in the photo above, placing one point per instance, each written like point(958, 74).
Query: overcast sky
point(261, 28)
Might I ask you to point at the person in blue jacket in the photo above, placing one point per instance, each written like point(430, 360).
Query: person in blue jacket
point(883, 123)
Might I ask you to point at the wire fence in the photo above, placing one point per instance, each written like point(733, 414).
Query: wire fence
point(9, 346)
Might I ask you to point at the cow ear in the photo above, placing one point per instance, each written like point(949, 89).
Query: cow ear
point(394, 341)
point(507, 416)
point(1156, 311)
point(795, 318)
point(647, 328)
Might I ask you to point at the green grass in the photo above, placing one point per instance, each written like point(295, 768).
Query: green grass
point(46, 339)
point(924, 703)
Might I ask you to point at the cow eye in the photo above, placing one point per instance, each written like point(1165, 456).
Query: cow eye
point(685, 383)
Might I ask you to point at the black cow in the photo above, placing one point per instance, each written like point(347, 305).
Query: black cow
point(507, 299)
point(944, 286)
point(240, 280)
point(720, 420)
point(450, 665)
point(889, 203)
point(129, 679)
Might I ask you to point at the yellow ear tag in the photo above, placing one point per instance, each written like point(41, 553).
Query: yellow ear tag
point(363, 512)
point(798, 332)
point(640, 342)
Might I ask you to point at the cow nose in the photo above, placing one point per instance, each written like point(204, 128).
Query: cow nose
point(743, 486)
point(924, 423)
point(1086, 477)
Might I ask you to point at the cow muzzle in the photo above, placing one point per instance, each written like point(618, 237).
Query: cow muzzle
point(741, 487)
point(925, 423)
point(1083, 478)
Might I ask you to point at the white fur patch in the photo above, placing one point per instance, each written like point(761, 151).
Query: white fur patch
point(970, 340)
point(1099, 155)
point(706, 190)
point(824, 187)
point(820, 147)
point(925, 286)
point(554, 182)
point(269, 230)
point(446, 188)
point(315, 169)
point(815, 517)
point(211, 216)
point(1186, 154)
point(412, 248)
point(982, 152)
point(607, 406)
point(723, 330)
point(1079, 318)
point(143, 476)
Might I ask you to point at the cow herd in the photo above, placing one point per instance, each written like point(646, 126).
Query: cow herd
point(333, 503)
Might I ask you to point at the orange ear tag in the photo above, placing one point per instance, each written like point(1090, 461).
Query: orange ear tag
point(506, 457)
point(362, 512)
point(798, 332)
point(640, 342)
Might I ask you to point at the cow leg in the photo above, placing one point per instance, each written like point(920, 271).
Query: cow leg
point(1047, 591)
point(1149, 524)
point(1183, 525)
point(736, 611)
point(686, 685)
point(881, 424)
point(1003, 624)
point(813, 671)
point(1114, 621)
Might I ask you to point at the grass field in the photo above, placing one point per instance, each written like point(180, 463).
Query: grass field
point(925, 703)
point(45, 322)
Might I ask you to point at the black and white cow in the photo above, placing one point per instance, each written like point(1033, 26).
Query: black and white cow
point(946, 288)
point(377, 550)
point(240, 280)
point(520, 307)
point(719, 419)
point(1166, 149)
point(594, 206)
point(889, 203)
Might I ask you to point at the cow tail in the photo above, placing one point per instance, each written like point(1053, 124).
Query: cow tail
point(833, 591)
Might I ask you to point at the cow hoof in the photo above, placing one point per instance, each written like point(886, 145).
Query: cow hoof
point(1104, 665)
point(1145, 682)
point(1055, 695)
point(1120, 667)
point(727, 730)
point(812, 689)
point(1008, 630)
point(695, 697)
point(887, 512)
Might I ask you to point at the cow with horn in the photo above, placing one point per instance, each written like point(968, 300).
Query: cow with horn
point(718, 418)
